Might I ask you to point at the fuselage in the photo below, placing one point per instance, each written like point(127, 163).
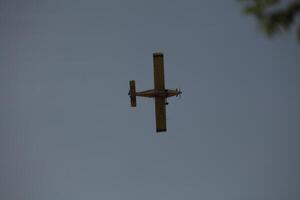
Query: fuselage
point(157, 93)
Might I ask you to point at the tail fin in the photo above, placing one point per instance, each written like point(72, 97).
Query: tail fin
point(132, 93)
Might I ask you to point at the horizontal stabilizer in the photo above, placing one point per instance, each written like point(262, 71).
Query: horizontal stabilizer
point(132, 93)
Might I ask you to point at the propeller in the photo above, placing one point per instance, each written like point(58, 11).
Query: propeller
point(179, 92)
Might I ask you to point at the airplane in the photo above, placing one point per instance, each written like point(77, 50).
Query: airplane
point(160, 93)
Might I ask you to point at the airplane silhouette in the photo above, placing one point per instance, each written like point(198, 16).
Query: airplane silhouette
point(159, 92)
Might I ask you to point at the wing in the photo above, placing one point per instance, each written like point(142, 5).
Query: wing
point(158, 64)
point(160, 113)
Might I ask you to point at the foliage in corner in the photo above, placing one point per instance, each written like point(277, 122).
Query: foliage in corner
point(274, 17)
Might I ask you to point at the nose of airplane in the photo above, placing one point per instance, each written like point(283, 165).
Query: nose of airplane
point(179, 92)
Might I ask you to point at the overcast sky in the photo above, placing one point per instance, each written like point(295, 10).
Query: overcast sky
point(67, 131)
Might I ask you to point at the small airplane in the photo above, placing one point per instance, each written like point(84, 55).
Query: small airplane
point(159, 92)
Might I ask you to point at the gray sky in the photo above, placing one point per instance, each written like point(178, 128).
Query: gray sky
point(67, 131)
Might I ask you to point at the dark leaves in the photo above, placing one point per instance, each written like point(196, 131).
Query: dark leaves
point(273, 17)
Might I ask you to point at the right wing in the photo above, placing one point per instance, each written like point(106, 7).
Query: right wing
point(160, 114)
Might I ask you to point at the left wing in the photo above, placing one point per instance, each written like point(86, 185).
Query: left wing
point(160, 114)
point(158, 65)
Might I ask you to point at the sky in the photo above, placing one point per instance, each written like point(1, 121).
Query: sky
point(67, 131)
